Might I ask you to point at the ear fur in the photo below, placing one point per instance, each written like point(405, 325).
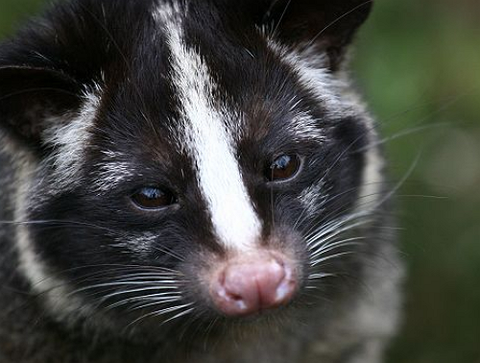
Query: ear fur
point(46, 68)
point(319, 26)
point(29, 96)
point(40, 76)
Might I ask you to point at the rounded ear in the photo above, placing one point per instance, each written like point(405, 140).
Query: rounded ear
point(30, 96)
point(322, 26)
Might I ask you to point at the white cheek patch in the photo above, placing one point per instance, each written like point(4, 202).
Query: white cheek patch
point(69, 136)
point(373, 178)
point(205, 137)
point(54, 290)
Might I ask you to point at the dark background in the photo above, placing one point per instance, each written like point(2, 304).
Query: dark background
point(418, 64)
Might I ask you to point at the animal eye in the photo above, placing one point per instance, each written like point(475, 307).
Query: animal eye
point(152, 198)
point(284, 167)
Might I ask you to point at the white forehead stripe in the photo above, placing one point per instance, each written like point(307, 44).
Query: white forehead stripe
point(209, 143)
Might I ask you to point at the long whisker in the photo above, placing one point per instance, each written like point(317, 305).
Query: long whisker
point(330, 257)
point(329, 247)
point(56, 223)
point(159, 313)
point(281, 17)
point(337, 20)
point(143, 303)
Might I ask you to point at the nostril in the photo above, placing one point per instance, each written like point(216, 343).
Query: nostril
point(236, 297)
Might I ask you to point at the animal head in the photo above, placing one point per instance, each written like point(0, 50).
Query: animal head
point(199, 157)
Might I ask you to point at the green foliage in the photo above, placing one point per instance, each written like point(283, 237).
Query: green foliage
point(13, 12)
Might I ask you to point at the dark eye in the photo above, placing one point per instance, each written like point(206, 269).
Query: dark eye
point(152, 198)
point(284, 167)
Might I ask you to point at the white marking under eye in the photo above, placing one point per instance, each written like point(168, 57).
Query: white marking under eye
point(206, 138)
point(313, 199)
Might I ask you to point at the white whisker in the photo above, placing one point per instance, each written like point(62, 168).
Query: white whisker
point(323, 259)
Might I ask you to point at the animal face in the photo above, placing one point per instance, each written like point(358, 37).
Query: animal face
point(198, 159)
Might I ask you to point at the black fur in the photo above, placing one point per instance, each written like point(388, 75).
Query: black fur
point(75, 229)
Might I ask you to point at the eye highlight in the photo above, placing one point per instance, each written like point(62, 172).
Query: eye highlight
point(152, 198)
point(283, 168)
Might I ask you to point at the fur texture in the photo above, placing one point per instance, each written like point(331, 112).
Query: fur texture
point(193, 105)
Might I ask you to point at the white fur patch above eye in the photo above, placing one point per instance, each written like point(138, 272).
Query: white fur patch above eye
point(111, 174)
point(313, 76)
point(204, 135)
point(69, 135)
point(114, 169)
point(305, 127)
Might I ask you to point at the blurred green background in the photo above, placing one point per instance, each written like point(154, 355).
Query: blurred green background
point(418, 64)
point(419, 67)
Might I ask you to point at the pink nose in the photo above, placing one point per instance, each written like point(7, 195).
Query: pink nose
point(250, 284)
